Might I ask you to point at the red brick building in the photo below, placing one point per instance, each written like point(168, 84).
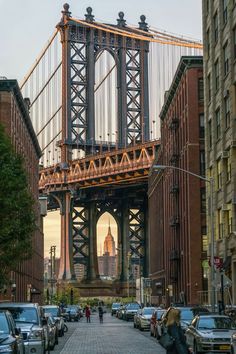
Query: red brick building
point(177, 204)
point(14, 115)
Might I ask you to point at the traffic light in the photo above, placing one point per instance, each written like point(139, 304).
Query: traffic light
point(71, 296)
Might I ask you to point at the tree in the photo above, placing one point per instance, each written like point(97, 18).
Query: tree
point(17, 216)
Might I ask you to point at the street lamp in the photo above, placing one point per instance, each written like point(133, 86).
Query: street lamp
point(212, 249)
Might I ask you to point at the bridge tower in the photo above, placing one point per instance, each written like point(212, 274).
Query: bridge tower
point(82, 43)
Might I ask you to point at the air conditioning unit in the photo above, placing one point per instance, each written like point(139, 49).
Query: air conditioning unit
point(225, 154)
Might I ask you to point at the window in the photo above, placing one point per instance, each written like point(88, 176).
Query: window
point(209, 87)
point(226, 58)
point(216, 67)
point(210, 133)
point(225, 11)
point(228, 220)
point(200, 89)
point(203, 200)
point(228, 169)
point(202, 163)
point(215, 26)
point(220, 224)
point(219, 182)
point(217, 117)
point(227, 111)
point(201, 126)
point(204, 239)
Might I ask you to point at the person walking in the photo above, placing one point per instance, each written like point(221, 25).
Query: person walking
point(87, 313)
point(100, 313)
point(176, 332)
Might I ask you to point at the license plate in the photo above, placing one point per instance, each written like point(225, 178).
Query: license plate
point(224, 347)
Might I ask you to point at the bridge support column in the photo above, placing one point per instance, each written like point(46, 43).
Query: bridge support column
point(93, 265)
point(66, 270)
point(124, 240)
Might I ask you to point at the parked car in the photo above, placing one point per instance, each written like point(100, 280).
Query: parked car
point(210, 333)
point(130, 310)
point(120, 312)
point(30, 319)
point(187, 313)
point(114, 307)
point(143, 318)
point(52, 331)
point(155, 328)
point(136, 318)
point(73, 314)
point(11, 340)
point(56, 314)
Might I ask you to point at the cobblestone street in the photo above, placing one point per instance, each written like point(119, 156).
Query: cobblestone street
point(112, 337)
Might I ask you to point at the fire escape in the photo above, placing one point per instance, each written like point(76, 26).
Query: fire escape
point(174, 255)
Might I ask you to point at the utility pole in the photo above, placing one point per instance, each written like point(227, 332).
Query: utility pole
point(52, 253)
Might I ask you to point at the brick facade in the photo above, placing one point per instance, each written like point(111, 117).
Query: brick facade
point(14, 116)
point(176, 199)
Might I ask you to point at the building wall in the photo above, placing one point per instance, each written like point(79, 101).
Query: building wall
point(219, 38)
point(14, 116)
point(178, 242)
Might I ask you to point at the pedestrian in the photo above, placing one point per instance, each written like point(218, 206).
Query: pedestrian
point(176, 332)
point(87, 313)
point(100, 313)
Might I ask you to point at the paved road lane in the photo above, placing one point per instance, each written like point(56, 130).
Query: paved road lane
point(112, 337)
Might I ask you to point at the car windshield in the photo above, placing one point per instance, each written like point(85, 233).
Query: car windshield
point(52, 310)
point(148, 311)
point(186, 315)
point(216, 323)
point(4, 329)
point(133, 306)
point(115, 306)
point(24, 314)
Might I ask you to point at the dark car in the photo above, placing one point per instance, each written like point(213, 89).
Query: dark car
point(130, 310)
point(11, 340)
point(115, 307)
point(73, 314)
point(187, 313)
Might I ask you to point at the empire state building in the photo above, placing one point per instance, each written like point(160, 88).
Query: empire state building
point(109, 244)
point(107, 262)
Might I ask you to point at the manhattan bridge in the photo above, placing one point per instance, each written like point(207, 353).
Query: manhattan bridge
point(95, 93)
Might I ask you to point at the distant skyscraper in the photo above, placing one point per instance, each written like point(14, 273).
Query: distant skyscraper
point(107, 262)
point(109, 243)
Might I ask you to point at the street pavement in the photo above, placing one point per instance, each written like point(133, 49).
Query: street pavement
point(113, 336)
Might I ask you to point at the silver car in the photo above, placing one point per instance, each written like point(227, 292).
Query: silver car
point(144, 318)
point(29, 318)
point(210, 333)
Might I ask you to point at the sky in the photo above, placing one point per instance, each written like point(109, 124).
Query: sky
point(26, 25)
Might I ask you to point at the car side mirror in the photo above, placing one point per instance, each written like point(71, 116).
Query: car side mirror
point(18, 331)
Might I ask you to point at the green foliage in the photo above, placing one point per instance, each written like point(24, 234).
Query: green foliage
point(17, 218)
